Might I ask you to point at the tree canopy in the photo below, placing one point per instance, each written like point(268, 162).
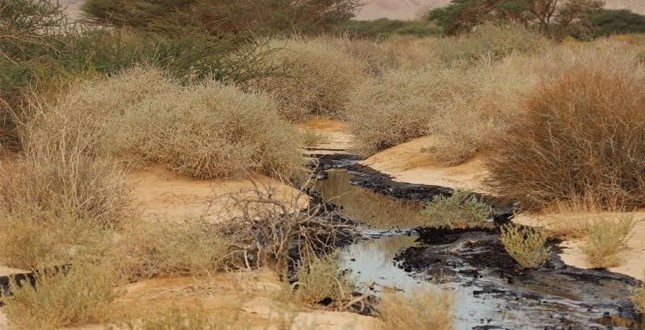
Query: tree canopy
point(550, 17)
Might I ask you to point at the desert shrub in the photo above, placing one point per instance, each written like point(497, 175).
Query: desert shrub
point(639, 298)
point(393, 109)
point(425, 309)
point(373, 56)
point(82, 295)
point(606, 240)
point(411, 52)
point(582, 135)
point(460, 210)
point(526, 245)
point(323, 279)
point(490, 42)
point(462, 109)
point(54, 175)
point(318, 80)
point(35, 239)
point(384, 28)
point(149, 249)
point(607, 22)
point(205, 131)
point(219, 17)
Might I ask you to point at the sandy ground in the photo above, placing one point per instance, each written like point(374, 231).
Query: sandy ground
point(409, 162)
point(335, 135)
point(250, 299)
point(162, 195)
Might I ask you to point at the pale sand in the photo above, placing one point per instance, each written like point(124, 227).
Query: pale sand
point(251, 297)
point(410, 162)
point(160, 194)
point(336, 136)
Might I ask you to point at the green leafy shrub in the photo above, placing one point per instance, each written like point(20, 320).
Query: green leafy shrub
point(606, 240)
point(461, 210)
point(607, 22)
point(525, 245)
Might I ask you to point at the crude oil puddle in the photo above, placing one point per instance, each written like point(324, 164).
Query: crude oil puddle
point(490, 291)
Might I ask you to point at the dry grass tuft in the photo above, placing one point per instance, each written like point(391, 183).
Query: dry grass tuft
point(461, 210)
point(526, 245)
point(82, 296)
point(318, 80)
point(323, 279)
point(424, 310)
point(189, 248)
point(606, 240)
point(36, 240)
point(583, 137)
point(639, 299)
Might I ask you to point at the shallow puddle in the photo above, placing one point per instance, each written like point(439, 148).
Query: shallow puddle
point(490, 292)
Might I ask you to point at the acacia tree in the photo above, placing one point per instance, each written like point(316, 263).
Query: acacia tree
point(224, 16)
point(550, 17)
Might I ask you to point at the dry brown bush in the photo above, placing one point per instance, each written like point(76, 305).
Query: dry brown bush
point(425, 309)
point(463, 109)
point(318, 80)
point(583, 136)
point(412, 52)
point(207, 131)
point(189, 248)
point(142, 117)
point(373, 56)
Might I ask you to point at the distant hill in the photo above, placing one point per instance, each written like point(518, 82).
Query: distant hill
point(410, 9)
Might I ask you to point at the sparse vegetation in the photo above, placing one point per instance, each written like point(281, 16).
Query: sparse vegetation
point(639, 299)
point(423, 310)
point(460, 210)
point(526, 245)
point(81, 296)
point(606, 240)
